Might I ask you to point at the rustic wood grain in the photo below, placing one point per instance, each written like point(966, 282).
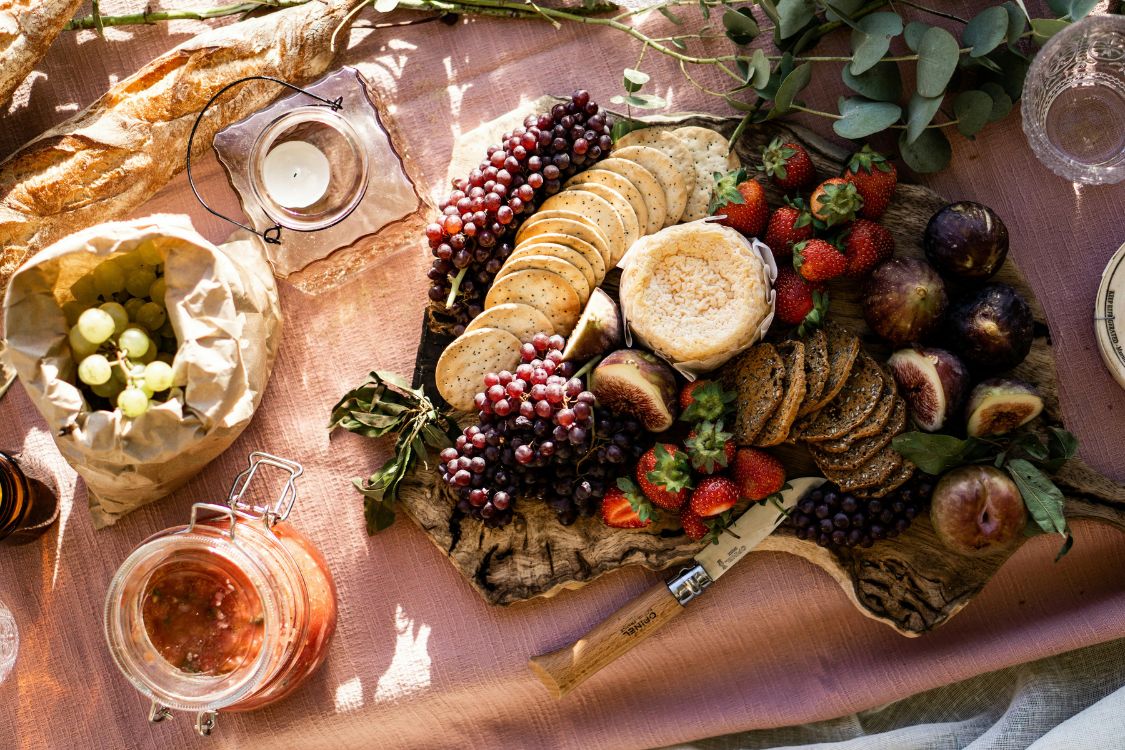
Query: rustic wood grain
point(912, 583)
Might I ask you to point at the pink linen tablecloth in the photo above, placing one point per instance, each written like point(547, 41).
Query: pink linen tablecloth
point(419, 660)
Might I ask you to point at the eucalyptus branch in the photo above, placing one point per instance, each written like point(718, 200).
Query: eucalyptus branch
point(932, 11)
point(147, 17)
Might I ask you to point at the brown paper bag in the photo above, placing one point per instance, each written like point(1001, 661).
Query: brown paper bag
point(223, 305)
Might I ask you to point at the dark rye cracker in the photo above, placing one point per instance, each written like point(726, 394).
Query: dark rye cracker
point(776, 430)
point(758, 377)
point(816, 370)
point(856, 400)
point(881, 414)
point(843, 348)
point(896, 423)
point(892, 483)
point(872, 473)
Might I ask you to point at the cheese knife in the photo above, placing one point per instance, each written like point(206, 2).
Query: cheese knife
point(563, 670)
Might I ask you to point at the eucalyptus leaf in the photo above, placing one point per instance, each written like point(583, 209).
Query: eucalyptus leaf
point(705, 9)
point(882, 83)
point(645, 101)
point(866, 117)
point(1045, 28)
point(913, 34)
point(1043, 499)
point(1079, 9)
point(984, 62)
point(986, 30)
point(677, 43)
point(1015, 71)
point(1023, 9)
point(740, 25)
point(793, 15)
point(872, 38)
point(972, 109)
point(761, 65)
point(937, 59)
point(1059, 7)
point(842, 10)
point(932, 453)
point(1001, 102)
point(623, 125)
point(738, 104)
point(931, 151)
point(1017, 22)
point(919, 113)
point(634, 80)
point(667, 13)
point(789, 88)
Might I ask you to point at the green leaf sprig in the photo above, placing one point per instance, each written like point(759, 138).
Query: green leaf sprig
point(1026, 456)
point(385, 404)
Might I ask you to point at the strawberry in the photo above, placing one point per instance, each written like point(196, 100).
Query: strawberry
point(787, 165)
point(875, 179)
point(693, 525)
point(866, 245)
point(835, 201)
point(788, 225)
point(624, 507)
point(664, 476)
point(818, 260)
point(709, 448)
point(704, 400)
point(714, 496)
point(757, 474)
point(742, 200)
point(799, 303)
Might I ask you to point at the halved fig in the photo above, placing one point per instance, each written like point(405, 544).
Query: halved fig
point(598, 330)
point(932, 381)
point(1000, 405)
point(634, 382)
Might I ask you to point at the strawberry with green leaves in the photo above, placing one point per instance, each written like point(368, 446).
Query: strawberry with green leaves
point(709, 448)
point(664, 476)
point(818, 260)
point(866, 245)
point(713, 496)
point(757, 474)
point(798, 302)
point(875, 179)
point(788, 225)
point(742, 200)
point(705, 400)
point(624, 507)
point(788, 165)
point(835, 201)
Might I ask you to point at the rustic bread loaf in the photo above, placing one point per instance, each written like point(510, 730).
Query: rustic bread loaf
point(113, 156)
point(27, 28)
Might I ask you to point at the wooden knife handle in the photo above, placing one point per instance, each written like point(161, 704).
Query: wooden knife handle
point(563, 670)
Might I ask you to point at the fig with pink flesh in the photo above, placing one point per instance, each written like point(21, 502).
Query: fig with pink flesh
point(932, 381)
point(1000, 405)
point(905, 301)
point(977, 509)
point(631, 381)
point(598, 330)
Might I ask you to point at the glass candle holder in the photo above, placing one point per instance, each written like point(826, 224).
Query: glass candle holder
point(1073, 104)
point(231, 612)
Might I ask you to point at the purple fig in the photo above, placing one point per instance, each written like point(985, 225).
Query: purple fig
point(977, 509)
point(932, 381)
point(966, 239)
point(634, 382)
point(905, 301)
point(1000, 405)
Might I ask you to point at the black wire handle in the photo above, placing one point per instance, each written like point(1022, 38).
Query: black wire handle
point(272, 236)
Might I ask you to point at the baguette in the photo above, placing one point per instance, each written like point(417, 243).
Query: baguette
point(113, 156)
point(27, 28)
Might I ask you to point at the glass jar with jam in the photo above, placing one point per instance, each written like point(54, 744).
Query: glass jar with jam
point(228, 613)
point(29, 504)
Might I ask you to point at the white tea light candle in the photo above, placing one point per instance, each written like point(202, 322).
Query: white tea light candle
point(296, 174)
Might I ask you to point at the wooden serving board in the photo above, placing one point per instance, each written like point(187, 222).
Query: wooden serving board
point(912, 583)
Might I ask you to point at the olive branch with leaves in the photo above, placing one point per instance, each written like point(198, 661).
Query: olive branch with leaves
point(972, 78)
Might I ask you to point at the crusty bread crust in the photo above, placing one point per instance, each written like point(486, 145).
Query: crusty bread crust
point(114, 155)
point(27, 29)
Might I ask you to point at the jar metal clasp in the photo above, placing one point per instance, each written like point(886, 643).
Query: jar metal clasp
point(237, 508)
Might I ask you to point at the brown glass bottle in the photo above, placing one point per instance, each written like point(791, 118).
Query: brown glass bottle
point(28, 507)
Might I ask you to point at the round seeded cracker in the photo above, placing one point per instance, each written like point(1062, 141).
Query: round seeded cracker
point(551, 263)
point(671, 176)
point(652, 193)
point(547, 292)
point(522, 321)
point(619, 183)
point(667, 142)
point(565, 223)
point(634, 229)
point(598, 210)
point(543, 245)
point(462, 366)
point(710, 154)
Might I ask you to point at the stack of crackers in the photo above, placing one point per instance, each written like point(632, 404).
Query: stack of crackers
point(829, 395)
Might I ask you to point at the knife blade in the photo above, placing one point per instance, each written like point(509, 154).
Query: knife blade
point(563, 670)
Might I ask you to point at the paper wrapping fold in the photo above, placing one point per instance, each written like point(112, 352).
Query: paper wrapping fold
point(224, 307)
point(691, 369)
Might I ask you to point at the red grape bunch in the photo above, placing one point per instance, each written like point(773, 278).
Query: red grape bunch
point(475, 232)
point(539, 434)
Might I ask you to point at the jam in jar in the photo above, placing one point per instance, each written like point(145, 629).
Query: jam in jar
point(231, 612)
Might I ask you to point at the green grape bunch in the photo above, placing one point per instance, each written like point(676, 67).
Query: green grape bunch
point(120, 334)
